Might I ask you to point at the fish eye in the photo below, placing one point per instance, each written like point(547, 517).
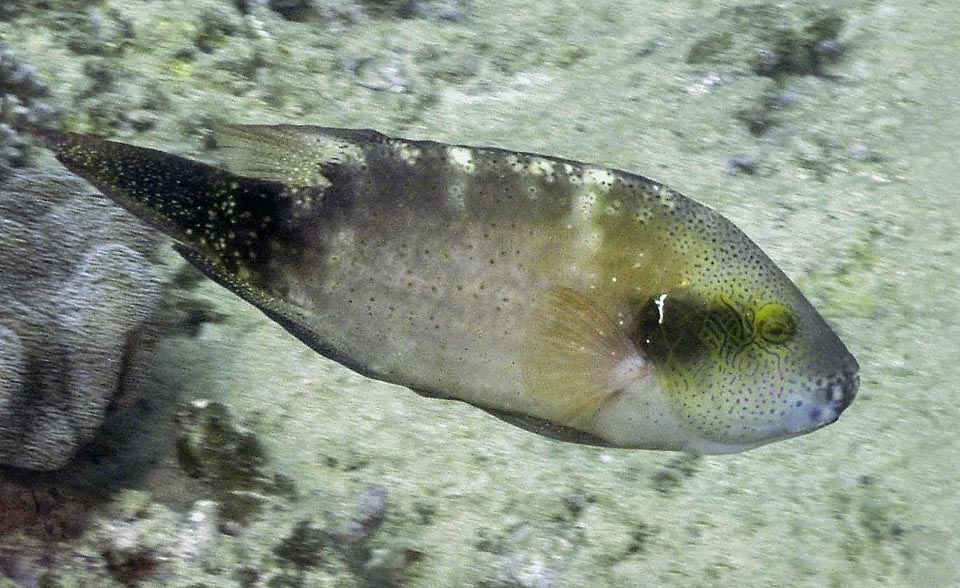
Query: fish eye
point(775, 323)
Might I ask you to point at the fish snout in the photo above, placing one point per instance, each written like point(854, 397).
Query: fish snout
point(837, 394)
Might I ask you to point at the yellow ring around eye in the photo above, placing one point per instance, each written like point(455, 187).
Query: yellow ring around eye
point(775, 323)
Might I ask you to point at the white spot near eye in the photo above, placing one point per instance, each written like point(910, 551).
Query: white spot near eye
point(659, 302)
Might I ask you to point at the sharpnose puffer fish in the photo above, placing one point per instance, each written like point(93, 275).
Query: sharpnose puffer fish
point(585, 303)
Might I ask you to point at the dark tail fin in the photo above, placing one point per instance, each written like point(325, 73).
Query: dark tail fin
point(221, 215)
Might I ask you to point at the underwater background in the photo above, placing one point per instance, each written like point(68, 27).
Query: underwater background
point(827, 131)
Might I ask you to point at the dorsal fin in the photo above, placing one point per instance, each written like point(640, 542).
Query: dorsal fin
point(290, 154)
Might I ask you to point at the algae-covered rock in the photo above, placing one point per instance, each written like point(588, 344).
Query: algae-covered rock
point(356, 551)
point(772, 41)
point(528, 555)
point(142, 541)
point(229, 458)
point(22, 105)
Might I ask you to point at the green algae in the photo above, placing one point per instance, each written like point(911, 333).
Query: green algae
point(229, 458)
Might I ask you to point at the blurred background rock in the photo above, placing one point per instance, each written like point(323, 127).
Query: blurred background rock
point(22, 105)
point(76, 303)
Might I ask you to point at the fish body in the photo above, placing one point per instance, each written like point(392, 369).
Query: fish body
point(582, 302)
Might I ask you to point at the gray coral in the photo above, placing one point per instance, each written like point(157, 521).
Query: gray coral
point(77, 290)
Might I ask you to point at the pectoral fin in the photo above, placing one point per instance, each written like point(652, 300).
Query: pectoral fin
point(577, 356)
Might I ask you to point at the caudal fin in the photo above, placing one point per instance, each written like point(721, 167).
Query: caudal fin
point(227, 217)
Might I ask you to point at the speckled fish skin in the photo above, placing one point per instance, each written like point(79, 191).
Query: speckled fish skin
point(582, 302)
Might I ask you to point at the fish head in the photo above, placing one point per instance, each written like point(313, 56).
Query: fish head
point(741, 355)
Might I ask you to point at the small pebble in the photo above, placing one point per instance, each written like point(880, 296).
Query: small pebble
point(741, 164)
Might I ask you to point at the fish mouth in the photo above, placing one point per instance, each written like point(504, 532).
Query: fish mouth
point(836, 396)
point(822, 405)
point(829, 400)
point(842, 391)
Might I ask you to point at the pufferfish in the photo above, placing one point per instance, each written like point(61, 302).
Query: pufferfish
point(585, 303)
